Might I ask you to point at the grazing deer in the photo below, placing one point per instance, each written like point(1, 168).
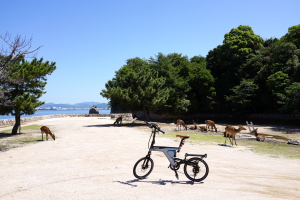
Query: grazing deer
point(119, 120)
point(180, 123)
point(46, 130)
point(210, 123)
point(260, 138)
point(230, 132)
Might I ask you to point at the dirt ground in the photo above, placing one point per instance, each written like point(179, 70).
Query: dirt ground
point(93, 159)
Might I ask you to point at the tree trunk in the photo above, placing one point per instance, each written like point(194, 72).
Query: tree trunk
point(17, 124)
point(146, 114)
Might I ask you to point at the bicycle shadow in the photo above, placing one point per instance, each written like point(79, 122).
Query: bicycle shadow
point(159, 182)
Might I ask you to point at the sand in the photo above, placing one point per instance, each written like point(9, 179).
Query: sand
point(92, 159)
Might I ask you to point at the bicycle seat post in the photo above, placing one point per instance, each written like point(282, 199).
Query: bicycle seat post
point(183, 138)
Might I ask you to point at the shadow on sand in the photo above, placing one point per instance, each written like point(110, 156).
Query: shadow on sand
point(117, 125)
point(159, 182)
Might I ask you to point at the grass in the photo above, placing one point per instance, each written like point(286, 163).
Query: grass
point(199, 137)
point(272, 148)
point(29, 135)
point(24, 128)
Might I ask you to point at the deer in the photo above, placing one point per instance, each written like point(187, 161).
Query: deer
point(194, 127)
point(230, 132)
point(46, 130)
point(180, 123)
point(210, 123)
point(203, 128)
point(119, 120)
point(260, 138)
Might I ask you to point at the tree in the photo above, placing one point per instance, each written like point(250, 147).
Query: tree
point(137, 87)
point(201, 83)
point(291, 100)
point(12, 51)
point(276, 84)
point(226, 60)
point(175, 68)
point(241, 99)
point(25, 94)
point(293, 35)
point(191, 82)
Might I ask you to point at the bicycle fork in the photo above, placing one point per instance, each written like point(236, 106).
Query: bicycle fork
point(146, 161)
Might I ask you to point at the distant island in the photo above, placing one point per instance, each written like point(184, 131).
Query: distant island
point(77, 106)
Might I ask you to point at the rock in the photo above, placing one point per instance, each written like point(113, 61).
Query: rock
point(94, 110)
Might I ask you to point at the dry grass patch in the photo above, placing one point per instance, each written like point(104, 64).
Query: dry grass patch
point(271, 147)
point(29, 135)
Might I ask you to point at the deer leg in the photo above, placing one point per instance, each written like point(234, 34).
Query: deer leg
point(232, 138)
point(225, 137)
point(46, 136)
point(234, 141)
point(42, 136)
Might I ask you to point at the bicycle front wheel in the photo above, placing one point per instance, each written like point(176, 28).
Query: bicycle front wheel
point(143, 167)
point(196, 169)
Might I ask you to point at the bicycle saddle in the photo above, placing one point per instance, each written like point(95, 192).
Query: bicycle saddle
point(183, 136)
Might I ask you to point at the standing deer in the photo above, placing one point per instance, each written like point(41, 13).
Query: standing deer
point(46, 130)
point(180, 123)
point(210, 123)
point(260, 138)
point(119, 120)
point(230, 132)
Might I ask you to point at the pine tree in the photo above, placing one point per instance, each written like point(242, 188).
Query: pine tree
point(25, 94)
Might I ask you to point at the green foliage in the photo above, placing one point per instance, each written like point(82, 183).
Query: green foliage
point(240, 100)
point(244, 74)
point(137, 87)
point(226, 61)
point(191, 81)
point(25, 94)
point(293, 35)
point(291, 100)
point(165, 84)
point(276, 83)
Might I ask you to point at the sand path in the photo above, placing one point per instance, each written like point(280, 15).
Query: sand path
point(91, 159)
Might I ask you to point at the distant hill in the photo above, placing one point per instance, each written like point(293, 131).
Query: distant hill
point(77, 105)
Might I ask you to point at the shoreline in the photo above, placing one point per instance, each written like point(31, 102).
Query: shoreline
point(7, 122)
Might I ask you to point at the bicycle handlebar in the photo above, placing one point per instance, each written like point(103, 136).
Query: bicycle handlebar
point(152, 125)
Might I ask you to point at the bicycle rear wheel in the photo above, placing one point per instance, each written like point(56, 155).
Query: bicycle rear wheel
point(196, 169)
point(143, 167)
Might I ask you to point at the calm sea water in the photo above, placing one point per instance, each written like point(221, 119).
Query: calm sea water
point(54, 112)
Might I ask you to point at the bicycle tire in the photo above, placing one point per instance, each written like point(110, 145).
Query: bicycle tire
point(143, 165)
point(196, 167)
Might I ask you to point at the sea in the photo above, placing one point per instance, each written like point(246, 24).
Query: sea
point(54, 112)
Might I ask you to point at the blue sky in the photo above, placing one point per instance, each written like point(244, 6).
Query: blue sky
point(91, 39)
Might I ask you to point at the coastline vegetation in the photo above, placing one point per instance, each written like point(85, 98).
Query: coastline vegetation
point(246, 74)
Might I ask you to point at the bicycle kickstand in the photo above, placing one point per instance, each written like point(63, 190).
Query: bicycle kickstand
point(176, 174)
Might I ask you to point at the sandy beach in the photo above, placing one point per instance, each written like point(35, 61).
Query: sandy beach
point(93, 159)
